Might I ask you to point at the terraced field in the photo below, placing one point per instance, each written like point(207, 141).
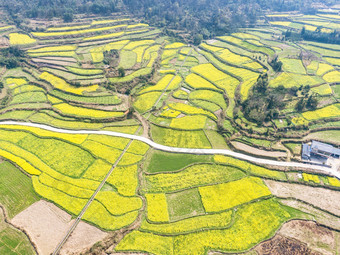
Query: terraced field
point(124, 76)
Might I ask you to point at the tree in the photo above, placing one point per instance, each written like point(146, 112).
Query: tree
point(121, 72)
point(300, 105)
point(312, 103)
point(276, 64)
point(198, 39)
point(262, 83)
point(68, 17)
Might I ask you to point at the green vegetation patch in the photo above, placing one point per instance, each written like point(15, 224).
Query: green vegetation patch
point(28, 97)
point(127, 59)
point(293, 66)
point(104, 100)
point(192, 176)
point(289, 80)
point(184, 204)
point(160, 161)
point(63, 157)
point(13, 242)
point(16, 190)
point(252, 224)
point(180, 138)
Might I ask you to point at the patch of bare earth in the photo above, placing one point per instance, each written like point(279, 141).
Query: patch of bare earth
point(317, 238)
point(82, 238)
point(46, 224)
point(254, 151)
point(282, 245)
point(324, 199)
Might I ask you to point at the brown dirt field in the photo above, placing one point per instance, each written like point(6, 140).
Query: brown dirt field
point(316, 237)
point(84, 237)
point(321, 217)
point(53, 62)
point(254, 151)
point(322, 198)
point(46, 224)
point(282, 245)
point(66, 59)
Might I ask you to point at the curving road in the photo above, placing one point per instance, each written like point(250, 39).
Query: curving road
point(326, 170)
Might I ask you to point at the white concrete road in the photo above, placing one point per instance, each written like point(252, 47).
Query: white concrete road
point(326, 170)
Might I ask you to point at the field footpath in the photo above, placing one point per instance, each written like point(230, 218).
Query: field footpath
point(326, 170)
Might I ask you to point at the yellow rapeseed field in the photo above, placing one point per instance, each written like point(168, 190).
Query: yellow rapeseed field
point(125, 180)
point(323, 68)
point(148, 242)
point(23, 164)
point(135, 44)
point(310, 178)
point(63, 85)
point(329, 111)
point(189, 122)
point(98, 170)
point(20, 39)
point(253, 223)
point(77, 139)
point(102, 37)
point(65, 187)
point(69, 203)
point(217, 220)
point(227, 195)
point(76, 32)
point(253, 169)
point(163, 83)
point(210, 72)
point(334, 181)
point(169, 113)
point(332, 77)
point(197, 82)
point(175, 45)
point(157, 207)
point(97, 214)
point(117, 204)
point(190, 110)
point(54, 49)
point(85, 112)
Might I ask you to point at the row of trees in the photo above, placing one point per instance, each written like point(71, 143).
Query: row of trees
point(65, 9)
point(201, 19)
point(11, 57)
point(317, 35)
point(265, 103)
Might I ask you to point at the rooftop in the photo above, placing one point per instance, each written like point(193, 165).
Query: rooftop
point(324, 147)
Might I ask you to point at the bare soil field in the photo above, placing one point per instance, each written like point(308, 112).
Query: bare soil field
point(46, 224)
point(322, 198)
point(316, 237)
point(321, 217)
point(282, 245)
point(254, 151)
point(84, 237)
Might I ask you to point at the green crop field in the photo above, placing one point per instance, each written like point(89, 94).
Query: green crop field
point(12, 241)
point(17, 192)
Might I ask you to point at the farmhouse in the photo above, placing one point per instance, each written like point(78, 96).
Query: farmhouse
point(319, 149)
